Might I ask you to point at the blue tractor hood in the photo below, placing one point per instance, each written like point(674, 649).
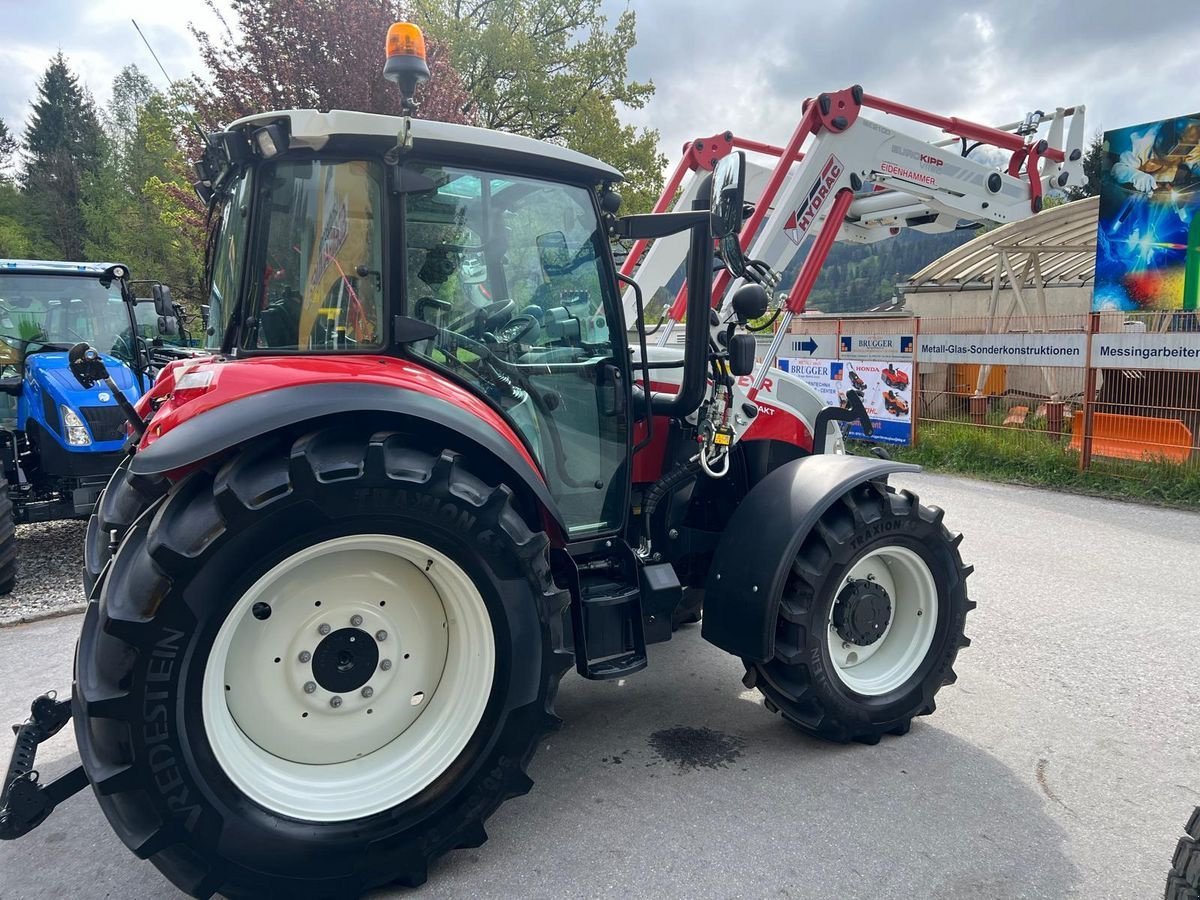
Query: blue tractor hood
point(49, 386)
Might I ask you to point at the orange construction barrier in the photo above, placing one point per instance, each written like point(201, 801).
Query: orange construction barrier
point(1135, 437)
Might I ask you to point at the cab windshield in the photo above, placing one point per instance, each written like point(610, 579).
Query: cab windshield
point(55, 312)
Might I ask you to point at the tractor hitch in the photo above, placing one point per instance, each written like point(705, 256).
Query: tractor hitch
point(24, 803)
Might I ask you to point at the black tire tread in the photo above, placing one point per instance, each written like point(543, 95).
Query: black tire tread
point(166, 540)
point(8, 541)
point(123, 499)
point(800, 704)
point(1183, 881)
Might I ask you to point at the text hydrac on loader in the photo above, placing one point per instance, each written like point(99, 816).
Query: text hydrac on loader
point(423, 474)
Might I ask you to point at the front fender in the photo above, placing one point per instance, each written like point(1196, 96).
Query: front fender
point(760, 542)
point(222, 427)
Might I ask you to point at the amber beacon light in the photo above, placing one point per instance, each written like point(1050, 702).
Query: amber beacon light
point(406, 60)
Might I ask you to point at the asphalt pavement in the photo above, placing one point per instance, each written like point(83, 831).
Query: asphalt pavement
point(1062, 764)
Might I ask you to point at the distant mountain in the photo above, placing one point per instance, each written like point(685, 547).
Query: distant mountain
point(857, 277)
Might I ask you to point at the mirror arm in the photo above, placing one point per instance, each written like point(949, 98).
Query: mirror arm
point(647, 226)
point(696, 333)
point(645, 367)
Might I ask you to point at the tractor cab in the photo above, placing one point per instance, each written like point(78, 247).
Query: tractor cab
point(482, 256)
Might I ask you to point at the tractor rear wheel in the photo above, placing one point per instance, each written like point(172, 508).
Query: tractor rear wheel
point(123, 499)
point(870, 620)
point(1183, 882)
point(318, 669)
point(8, 541)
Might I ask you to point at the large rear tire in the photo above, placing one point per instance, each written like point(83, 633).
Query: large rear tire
point(124, 498)
point(1183, 882)
point(249, 741)
point(8, 541)
point(870, 620)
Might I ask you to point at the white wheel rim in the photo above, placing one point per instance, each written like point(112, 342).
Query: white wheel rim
point(888, 662)
point(277, 730)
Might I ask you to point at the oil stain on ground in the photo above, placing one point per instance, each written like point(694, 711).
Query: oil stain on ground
point(696, 748)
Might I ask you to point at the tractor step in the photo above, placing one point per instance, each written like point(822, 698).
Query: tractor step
point(24, 803)
point(614, 638)
point(607, 628)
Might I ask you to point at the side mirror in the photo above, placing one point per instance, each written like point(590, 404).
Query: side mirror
point(168, 325)
point(728, 194)
point(163, 305)
point(742, 348)
point(553, 253)
point(86, 365)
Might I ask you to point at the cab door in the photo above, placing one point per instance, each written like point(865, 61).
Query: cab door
point(516, 273)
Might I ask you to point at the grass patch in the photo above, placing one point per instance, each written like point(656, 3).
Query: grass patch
point(1021, 456)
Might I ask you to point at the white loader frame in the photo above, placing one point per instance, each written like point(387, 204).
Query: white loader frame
point(860, 181)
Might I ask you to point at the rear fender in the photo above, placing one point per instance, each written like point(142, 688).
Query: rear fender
point(760, 542)
point(224, 427)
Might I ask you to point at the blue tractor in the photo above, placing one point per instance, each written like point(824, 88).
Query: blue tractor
point(59, 443)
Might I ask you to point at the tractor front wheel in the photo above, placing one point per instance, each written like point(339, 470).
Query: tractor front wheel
point(870, 620)
point(316, 670)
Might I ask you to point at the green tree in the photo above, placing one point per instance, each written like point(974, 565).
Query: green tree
point(63, 146)
point(553, 70)
point(138, 207)
point(1093, 159)
point(8, 147)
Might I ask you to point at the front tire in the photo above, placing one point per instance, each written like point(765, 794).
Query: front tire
point(870, 620)
point(205, 698)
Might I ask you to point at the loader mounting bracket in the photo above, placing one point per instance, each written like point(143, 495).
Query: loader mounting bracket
point(24, 802)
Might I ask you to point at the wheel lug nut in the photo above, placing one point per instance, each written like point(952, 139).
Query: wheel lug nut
point(356, 620)
point(335, 702)
point(310, 687)
point(323, 628)
point(385, 664)
point(305, 656)
point(381, 635)
point(368, 691)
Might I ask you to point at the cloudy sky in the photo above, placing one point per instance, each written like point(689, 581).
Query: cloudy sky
point(748, 65)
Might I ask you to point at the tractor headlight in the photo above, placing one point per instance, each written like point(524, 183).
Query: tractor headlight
point(76, 432)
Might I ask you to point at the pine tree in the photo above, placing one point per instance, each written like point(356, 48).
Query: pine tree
point(8, 146)
point(63, 146)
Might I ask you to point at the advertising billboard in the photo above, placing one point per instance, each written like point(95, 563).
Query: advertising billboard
point(886, 388)
point(1148, 241)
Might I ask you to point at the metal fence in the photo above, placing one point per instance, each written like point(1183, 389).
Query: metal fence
point(1117, 392)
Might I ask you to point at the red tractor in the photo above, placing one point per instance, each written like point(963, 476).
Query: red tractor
point(894, 378)
point(423, 474)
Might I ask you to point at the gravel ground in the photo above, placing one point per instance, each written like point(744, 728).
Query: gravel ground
point(49, 560)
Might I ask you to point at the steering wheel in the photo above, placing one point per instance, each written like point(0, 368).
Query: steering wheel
point(487, 318)
point(516, 328)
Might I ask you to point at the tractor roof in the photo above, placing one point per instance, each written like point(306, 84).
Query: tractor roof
point(55, 267)
point(313, 129)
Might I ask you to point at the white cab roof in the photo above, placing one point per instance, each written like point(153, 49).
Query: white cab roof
point(312, 128)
